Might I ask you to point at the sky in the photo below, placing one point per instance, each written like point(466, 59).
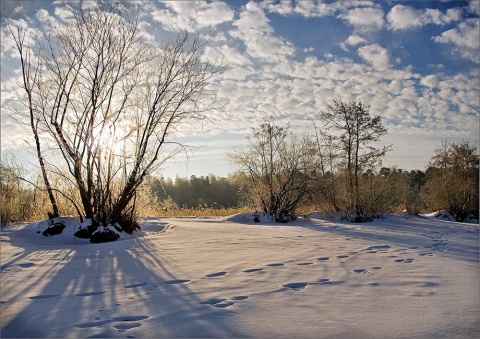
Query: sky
point(415, 63)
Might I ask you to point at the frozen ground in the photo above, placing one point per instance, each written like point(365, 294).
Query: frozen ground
point(191, 277)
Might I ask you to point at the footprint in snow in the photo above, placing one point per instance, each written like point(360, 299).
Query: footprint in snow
point(26, 265)
point(305, 263)
point(115, 319)
point(176, 281)
point(221, 302)
point(136, 285)
point(342, 256)
point(361, 270)
point(44, 296)
point(426, 254)
point(378, 248)
point(212, 301)
point(240, 297)
point(406, 261)
point(323, 258)
point(296, 286)
point(329, 282)
point(122, 326)
point(253, 270)
point(88, 294)
point(218, 274)
point(275, 265)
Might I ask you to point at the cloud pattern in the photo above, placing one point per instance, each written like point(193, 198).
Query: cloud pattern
point(268, 75)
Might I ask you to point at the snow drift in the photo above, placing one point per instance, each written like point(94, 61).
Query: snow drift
point(233, 277)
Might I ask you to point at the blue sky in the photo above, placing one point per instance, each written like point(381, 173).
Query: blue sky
point(416, 63)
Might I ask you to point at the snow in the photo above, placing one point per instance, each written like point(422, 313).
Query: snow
point(233, 277)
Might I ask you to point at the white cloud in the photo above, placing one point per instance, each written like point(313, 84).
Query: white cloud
point(304, 8)
point(309, 49)
point(364, 19)
point(474, 7)
point(375, 55)
point(314, 8)
point(188, 15)
point(430, 80)
point(354, 40)
point(42, 15)
point(466, 37)
point(403, 17)
point(254, 29)
point(227, 53)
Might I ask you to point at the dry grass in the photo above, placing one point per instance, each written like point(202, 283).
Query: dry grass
point(200, 212)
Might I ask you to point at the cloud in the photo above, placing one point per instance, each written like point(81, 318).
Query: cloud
point(352, 40)
point(254, 29)
point(474, 7)
point(466, 38)
point(430, 80)
point(403, 17)
point(227, 53)
point(304, 8)
point(314, 8)
point(364, 19)
point(375, 55)
point(190, 16)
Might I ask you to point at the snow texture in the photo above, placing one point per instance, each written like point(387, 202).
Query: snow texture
point(233, 277)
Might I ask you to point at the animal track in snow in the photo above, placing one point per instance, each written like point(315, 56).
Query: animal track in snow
point(176, 281)
point(218, 274)
point(323, 258)
point(212, 301)
point(276, 265)
point(253, 270)
point(26, 265)
point(44, 296)
point(116, 319)
point(378, 248)
point(406, 261)
point(296, 286)
point(361, 270)
point(240, 297)
point(126, 326)
point(136, 285)
point(426, 254)
point(342, 256)
point(88, 294)
point(222, 302)
point(305, 263)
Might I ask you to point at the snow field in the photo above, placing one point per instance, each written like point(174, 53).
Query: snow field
point(231, 277)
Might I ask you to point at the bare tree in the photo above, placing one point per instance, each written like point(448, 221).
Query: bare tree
point(352, 131)
point(110, 99)
point(279, 167)
point(30, 74)
point(452, 180)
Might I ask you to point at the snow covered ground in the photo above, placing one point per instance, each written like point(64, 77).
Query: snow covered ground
point(415, 277)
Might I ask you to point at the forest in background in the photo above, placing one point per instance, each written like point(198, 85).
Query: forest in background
point(416, 191)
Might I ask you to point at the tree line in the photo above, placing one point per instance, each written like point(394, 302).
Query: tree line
point(104, 100)
point(340, 170)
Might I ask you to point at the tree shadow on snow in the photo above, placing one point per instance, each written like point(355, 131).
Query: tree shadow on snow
point(106, 290)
